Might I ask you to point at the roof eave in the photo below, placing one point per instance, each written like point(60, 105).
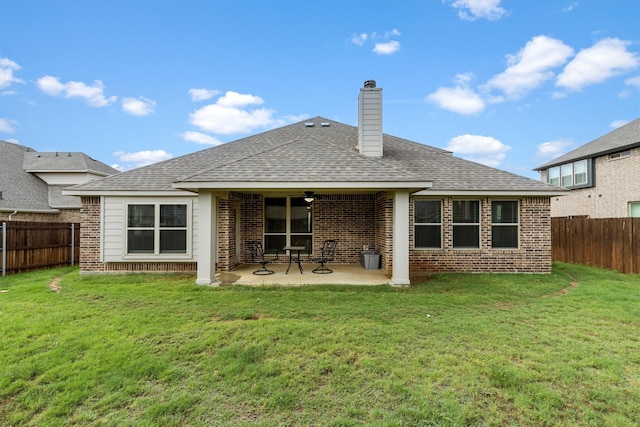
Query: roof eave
point(501, 193)
point(301, 185)
point(132, 193)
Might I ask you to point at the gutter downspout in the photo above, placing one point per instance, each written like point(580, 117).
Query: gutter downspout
point(12, 214)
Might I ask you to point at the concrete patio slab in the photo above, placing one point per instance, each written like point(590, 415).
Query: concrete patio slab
point(343, 274)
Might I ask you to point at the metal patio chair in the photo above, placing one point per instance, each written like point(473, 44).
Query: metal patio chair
point(327, 254)
point(257, 255)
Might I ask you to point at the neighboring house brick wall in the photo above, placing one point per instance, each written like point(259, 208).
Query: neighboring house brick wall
point(616, 185)
point(65, 215)
point(533, 255)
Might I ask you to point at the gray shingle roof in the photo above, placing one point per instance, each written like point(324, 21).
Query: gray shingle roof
point(25, 191)
point(297, 153)
point(20, 189)
point(65, 162)
point(624, 137)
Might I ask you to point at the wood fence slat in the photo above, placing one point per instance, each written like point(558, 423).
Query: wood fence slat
point(612, 243)
point(35, 245)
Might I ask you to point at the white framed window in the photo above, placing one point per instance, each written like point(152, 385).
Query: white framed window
point(578, 174)
point(554, 176)
point(157, 229)
point(634, 209)
point(620, 154)
point(505, 224)
point(287, 221)
point(466, 224)
point(427, 224)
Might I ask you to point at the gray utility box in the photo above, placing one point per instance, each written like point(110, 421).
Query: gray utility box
point(370, 260)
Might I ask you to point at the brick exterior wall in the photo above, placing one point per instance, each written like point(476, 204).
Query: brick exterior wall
point(533, 255)
point(348, 218)
point(65, 215)
point(90, 235)
point(616, 184)
point(354, 220)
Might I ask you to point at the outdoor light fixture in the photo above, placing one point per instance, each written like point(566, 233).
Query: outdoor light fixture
point(308, 197)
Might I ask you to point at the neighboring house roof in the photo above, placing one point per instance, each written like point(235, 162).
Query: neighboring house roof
point(301, 154)
point(23, 190)
point(625, 137)
point(20, 189)
point(65, 162)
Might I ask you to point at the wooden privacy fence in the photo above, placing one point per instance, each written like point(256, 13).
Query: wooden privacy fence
point(28, 246)
point(600, 242)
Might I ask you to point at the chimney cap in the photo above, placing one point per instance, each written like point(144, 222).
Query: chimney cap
point(370, 84)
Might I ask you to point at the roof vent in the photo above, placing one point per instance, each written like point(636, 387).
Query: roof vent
point(325, 124)
point(370, 83)
point(309, 124)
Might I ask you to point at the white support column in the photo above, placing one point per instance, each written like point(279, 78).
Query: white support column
point(400, 272)
point(207, 238)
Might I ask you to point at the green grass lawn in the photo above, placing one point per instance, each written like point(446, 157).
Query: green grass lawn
point(459, 349)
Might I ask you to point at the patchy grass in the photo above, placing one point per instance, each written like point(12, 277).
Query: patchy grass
point(559, 349)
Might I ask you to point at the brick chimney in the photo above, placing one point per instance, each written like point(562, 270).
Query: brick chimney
point(370, 120)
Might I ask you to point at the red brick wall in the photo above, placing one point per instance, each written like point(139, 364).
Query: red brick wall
point(348, 218)
point(354, 220)
point(533, 255)
point(90, 235)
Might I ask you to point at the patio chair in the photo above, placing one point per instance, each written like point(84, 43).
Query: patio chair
point(327, 253)
point(257, 255)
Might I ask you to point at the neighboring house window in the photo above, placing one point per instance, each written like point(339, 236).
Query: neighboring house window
point(287, 221)
point(572, 175)
point(427, 220)
point(466, 224)
point(504, 224)
point(620, 154)
point(157, 229)
point(634, 209)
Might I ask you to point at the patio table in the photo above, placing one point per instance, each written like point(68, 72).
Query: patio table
point(291, 249)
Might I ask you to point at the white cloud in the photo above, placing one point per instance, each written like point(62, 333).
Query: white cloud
point(200, 138)
point(633, 82)
point(471, 10)
point(230, 115)
point(7, 68)
point(359, 39)
point(140, 106)
point(140, 158)
point(605, 59)
point(481, 149)
point(531, 66)
point(570, 6)
point(7, 125)
point(618, 123)
point(383, 45)
point(387, 48)
point(92, 94)
point(554, 148)
point(458, 99)
point(202, 94)
point(234, 99)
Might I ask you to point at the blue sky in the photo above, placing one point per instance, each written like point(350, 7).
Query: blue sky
point(508, 83)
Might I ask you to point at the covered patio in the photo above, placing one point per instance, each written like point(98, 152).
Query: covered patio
point(343, 274)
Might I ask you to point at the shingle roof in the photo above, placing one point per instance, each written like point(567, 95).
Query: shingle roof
point(298, 153)
point(65, 162)
point(20, 189)
point(624, 137)
point(23, 190)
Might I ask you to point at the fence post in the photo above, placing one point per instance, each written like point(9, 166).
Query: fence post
point(73, 244)
point(4, 249)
